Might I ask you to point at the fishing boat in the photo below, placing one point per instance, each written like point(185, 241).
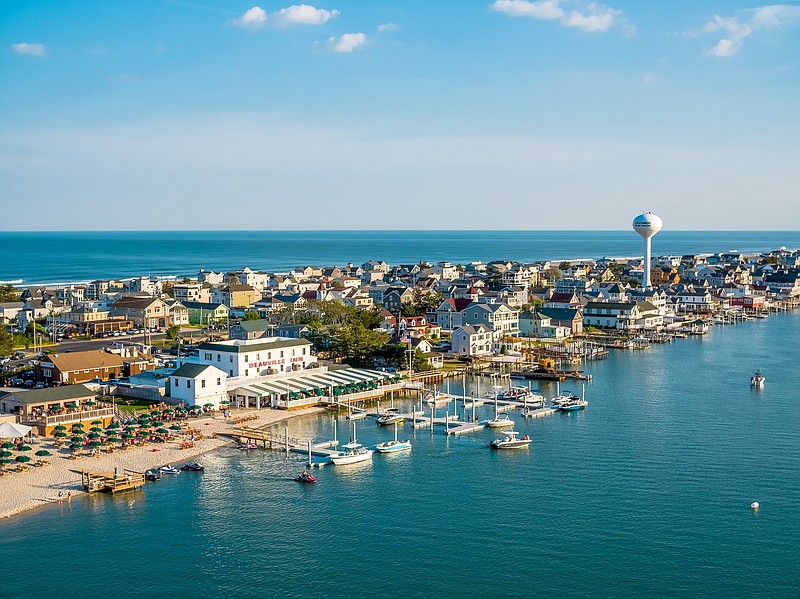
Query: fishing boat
point(500, 421)
point(305, 477)
point(353, 454)
point(169, 470)
point(248, 445)
point(757, 380)
point(393, 446)
point(193, 467)
point(511, 441)
point(390, 416)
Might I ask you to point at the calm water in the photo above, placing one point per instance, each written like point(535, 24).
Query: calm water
point(81, 256)
point(644, 494)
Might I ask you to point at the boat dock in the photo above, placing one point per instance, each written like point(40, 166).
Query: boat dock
point(111, 482)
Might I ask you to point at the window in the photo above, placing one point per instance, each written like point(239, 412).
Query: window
point(246, 358)
point(230, 359)
point(281, 353)
point(269, 355)
point(219, 381)
point(207, 356)
point(304, 351)
point(188, 384)
point(177, 383)
point(47, 373)
point(219, 358)
point(203, 384)
point(230, 373)
point(247, 372)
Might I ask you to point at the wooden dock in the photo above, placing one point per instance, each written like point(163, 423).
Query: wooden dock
point(111, 482)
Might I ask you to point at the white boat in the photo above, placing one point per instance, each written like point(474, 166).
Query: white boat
point(757, 380)
point(436, 398)
point(393, 446)
point(248, 445)
point(390, 416)
point(565, 398)
point(169, 470)
point(500, 421)
point(511, 441)
point(353, 454)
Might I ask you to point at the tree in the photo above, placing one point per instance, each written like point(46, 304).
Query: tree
point(564, 265)
point(8, 294)
point(6, 342)
point(251, 316)
point(166, 288)
point(173, 332)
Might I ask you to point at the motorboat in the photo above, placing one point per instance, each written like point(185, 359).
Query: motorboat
point(500, 421)
point(757, 380)
point(305, 477)
point(436, 398)
point(511, 441)
point(565, 398)
point(193, 467)
point(393, 446)
point(353, 454)
point(517, 392)
point(152, 474)
point(573, 406)
point(169, 470)
point(248, 445)
point(390, 416)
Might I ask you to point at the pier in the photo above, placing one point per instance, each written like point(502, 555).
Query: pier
point(111, 482)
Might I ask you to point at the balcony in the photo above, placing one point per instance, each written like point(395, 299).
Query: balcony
point(77, 416)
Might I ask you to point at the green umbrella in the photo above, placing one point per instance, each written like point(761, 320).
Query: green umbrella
point(114, 425)
point(95, 429)
point(22, 458)
point(113, 439)
point(176, 427)
point(60, 427)
point(77, 425)
point(145, 426)
point(5, 454)
point(24, 448)
point(96, 444)
point(5, 461)
point(7, 445)
point(78, 439)
point(97, 422)
point(155, 413)
point(162, 431)
point(42, 453)
point(94, 435)
point(208, 405)
point(60, 434)
point(128, 435)
point(71, 405)
point(168, 411)
point(224, 401)
point(76, 446)
point(90, 403)
point(158, 424)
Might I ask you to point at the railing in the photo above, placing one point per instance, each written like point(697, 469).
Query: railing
point(98, 414)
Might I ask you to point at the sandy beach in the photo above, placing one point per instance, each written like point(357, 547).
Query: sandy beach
point(40, 485)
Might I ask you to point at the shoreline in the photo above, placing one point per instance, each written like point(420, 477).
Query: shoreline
point(22, 493)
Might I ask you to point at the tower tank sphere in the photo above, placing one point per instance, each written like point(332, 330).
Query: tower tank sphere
point(647, 225)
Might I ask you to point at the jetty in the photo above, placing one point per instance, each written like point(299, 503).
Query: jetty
point(111, 482)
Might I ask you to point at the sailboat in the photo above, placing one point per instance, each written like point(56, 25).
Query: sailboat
point(393, 446)
point(353, 454)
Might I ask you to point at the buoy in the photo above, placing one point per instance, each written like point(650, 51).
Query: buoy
point(755, 505)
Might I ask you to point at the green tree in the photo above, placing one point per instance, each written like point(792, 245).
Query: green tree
point(173, 332)
point(6, 342)
point(251, 316)
point(8, 294)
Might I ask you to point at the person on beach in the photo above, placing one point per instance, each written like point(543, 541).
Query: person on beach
point(60, 497)
point(69, 497)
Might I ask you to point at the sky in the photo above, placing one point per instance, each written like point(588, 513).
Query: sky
point(454, 114)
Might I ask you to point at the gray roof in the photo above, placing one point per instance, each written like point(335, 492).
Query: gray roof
point(253, 326)
point(53, 394)
point(250, 347)
point(189, 370)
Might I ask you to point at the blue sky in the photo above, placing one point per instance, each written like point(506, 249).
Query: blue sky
point(540, 114)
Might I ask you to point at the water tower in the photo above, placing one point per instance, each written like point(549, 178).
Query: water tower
point(647, 224)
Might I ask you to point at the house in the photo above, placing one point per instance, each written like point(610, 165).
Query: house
point(252, 329)
point(568, 318)
point(448, 314)
point(473, 340)
point(235, 295)
point(147, 312)
point(47, 408)
point(178, 313)
point(395, 298)
point(500, 318)
point(206, 314)
point(192, 292)
point(79, 367)
point(292, 331)
point(257, 357)
point(198, 385)
point(622, 315)
point(564, 299)
point(9, 311)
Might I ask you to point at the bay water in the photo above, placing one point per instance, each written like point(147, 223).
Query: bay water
point(645, 493)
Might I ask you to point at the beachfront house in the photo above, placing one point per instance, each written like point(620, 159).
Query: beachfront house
point(45, 409)
point(147, 312)
point(473, 340)
point(205, 314)
point(622, 315)
point(500, 317)
point(201, 385)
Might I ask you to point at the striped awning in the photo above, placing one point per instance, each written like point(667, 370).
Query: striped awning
point(307, 383)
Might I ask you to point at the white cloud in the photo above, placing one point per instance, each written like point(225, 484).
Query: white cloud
point(736, 29)
point(297, 14)
point(303, 14)
point(29, 49)
point(252, 17)
point(777, 16)
point(346, 43)
point(591, 16)
point(537, 9)
point(388, 27)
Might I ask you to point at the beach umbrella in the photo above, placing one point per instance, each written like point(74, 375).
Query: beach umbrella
point(78, 439)
point(5, 461)
point(7, 445)
point(76, 446)
point(128, 435)
point(94, 435)
point(146, 425)
point(95, 429)
point(97, 422)
point(168, 411)
point(42, 453)
point(113, 439)
point(5, 454)
point(96, 444)
point(71, 405)
point(176, 427)
point(162, 431)
point(159, 423)
point(225, 401)
point(22, 459)
point(60, 427)
point(77, 425)
point(114, 425)
point(155, 413)
point(24, 448)
point(91, 402)
point(60, 434)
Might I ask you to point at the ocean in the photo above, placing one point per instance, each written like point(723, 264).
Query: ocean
point(52, 257)
point(646, 493)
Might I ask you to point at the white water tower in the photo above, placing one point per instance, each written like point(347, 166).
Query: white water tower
point(647, 224)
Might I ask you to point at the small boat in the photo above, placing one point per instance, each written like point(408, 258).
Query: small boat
point(757, 380)
point(393, 446)
point(152, 474)
point(390, 416)
point(169, 470)
point(573, 406)
point(500, 421)
point(305, 477)
point(565, 398)
point(248, 445)
point(193, 467)
point(353, 454)
point(517, 392)
point(511, 441)
point(436, 398)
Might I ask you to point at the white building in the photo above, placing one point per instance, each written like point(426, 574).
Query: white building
point(473, 340)
point(198, 385)
point(257, 357)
